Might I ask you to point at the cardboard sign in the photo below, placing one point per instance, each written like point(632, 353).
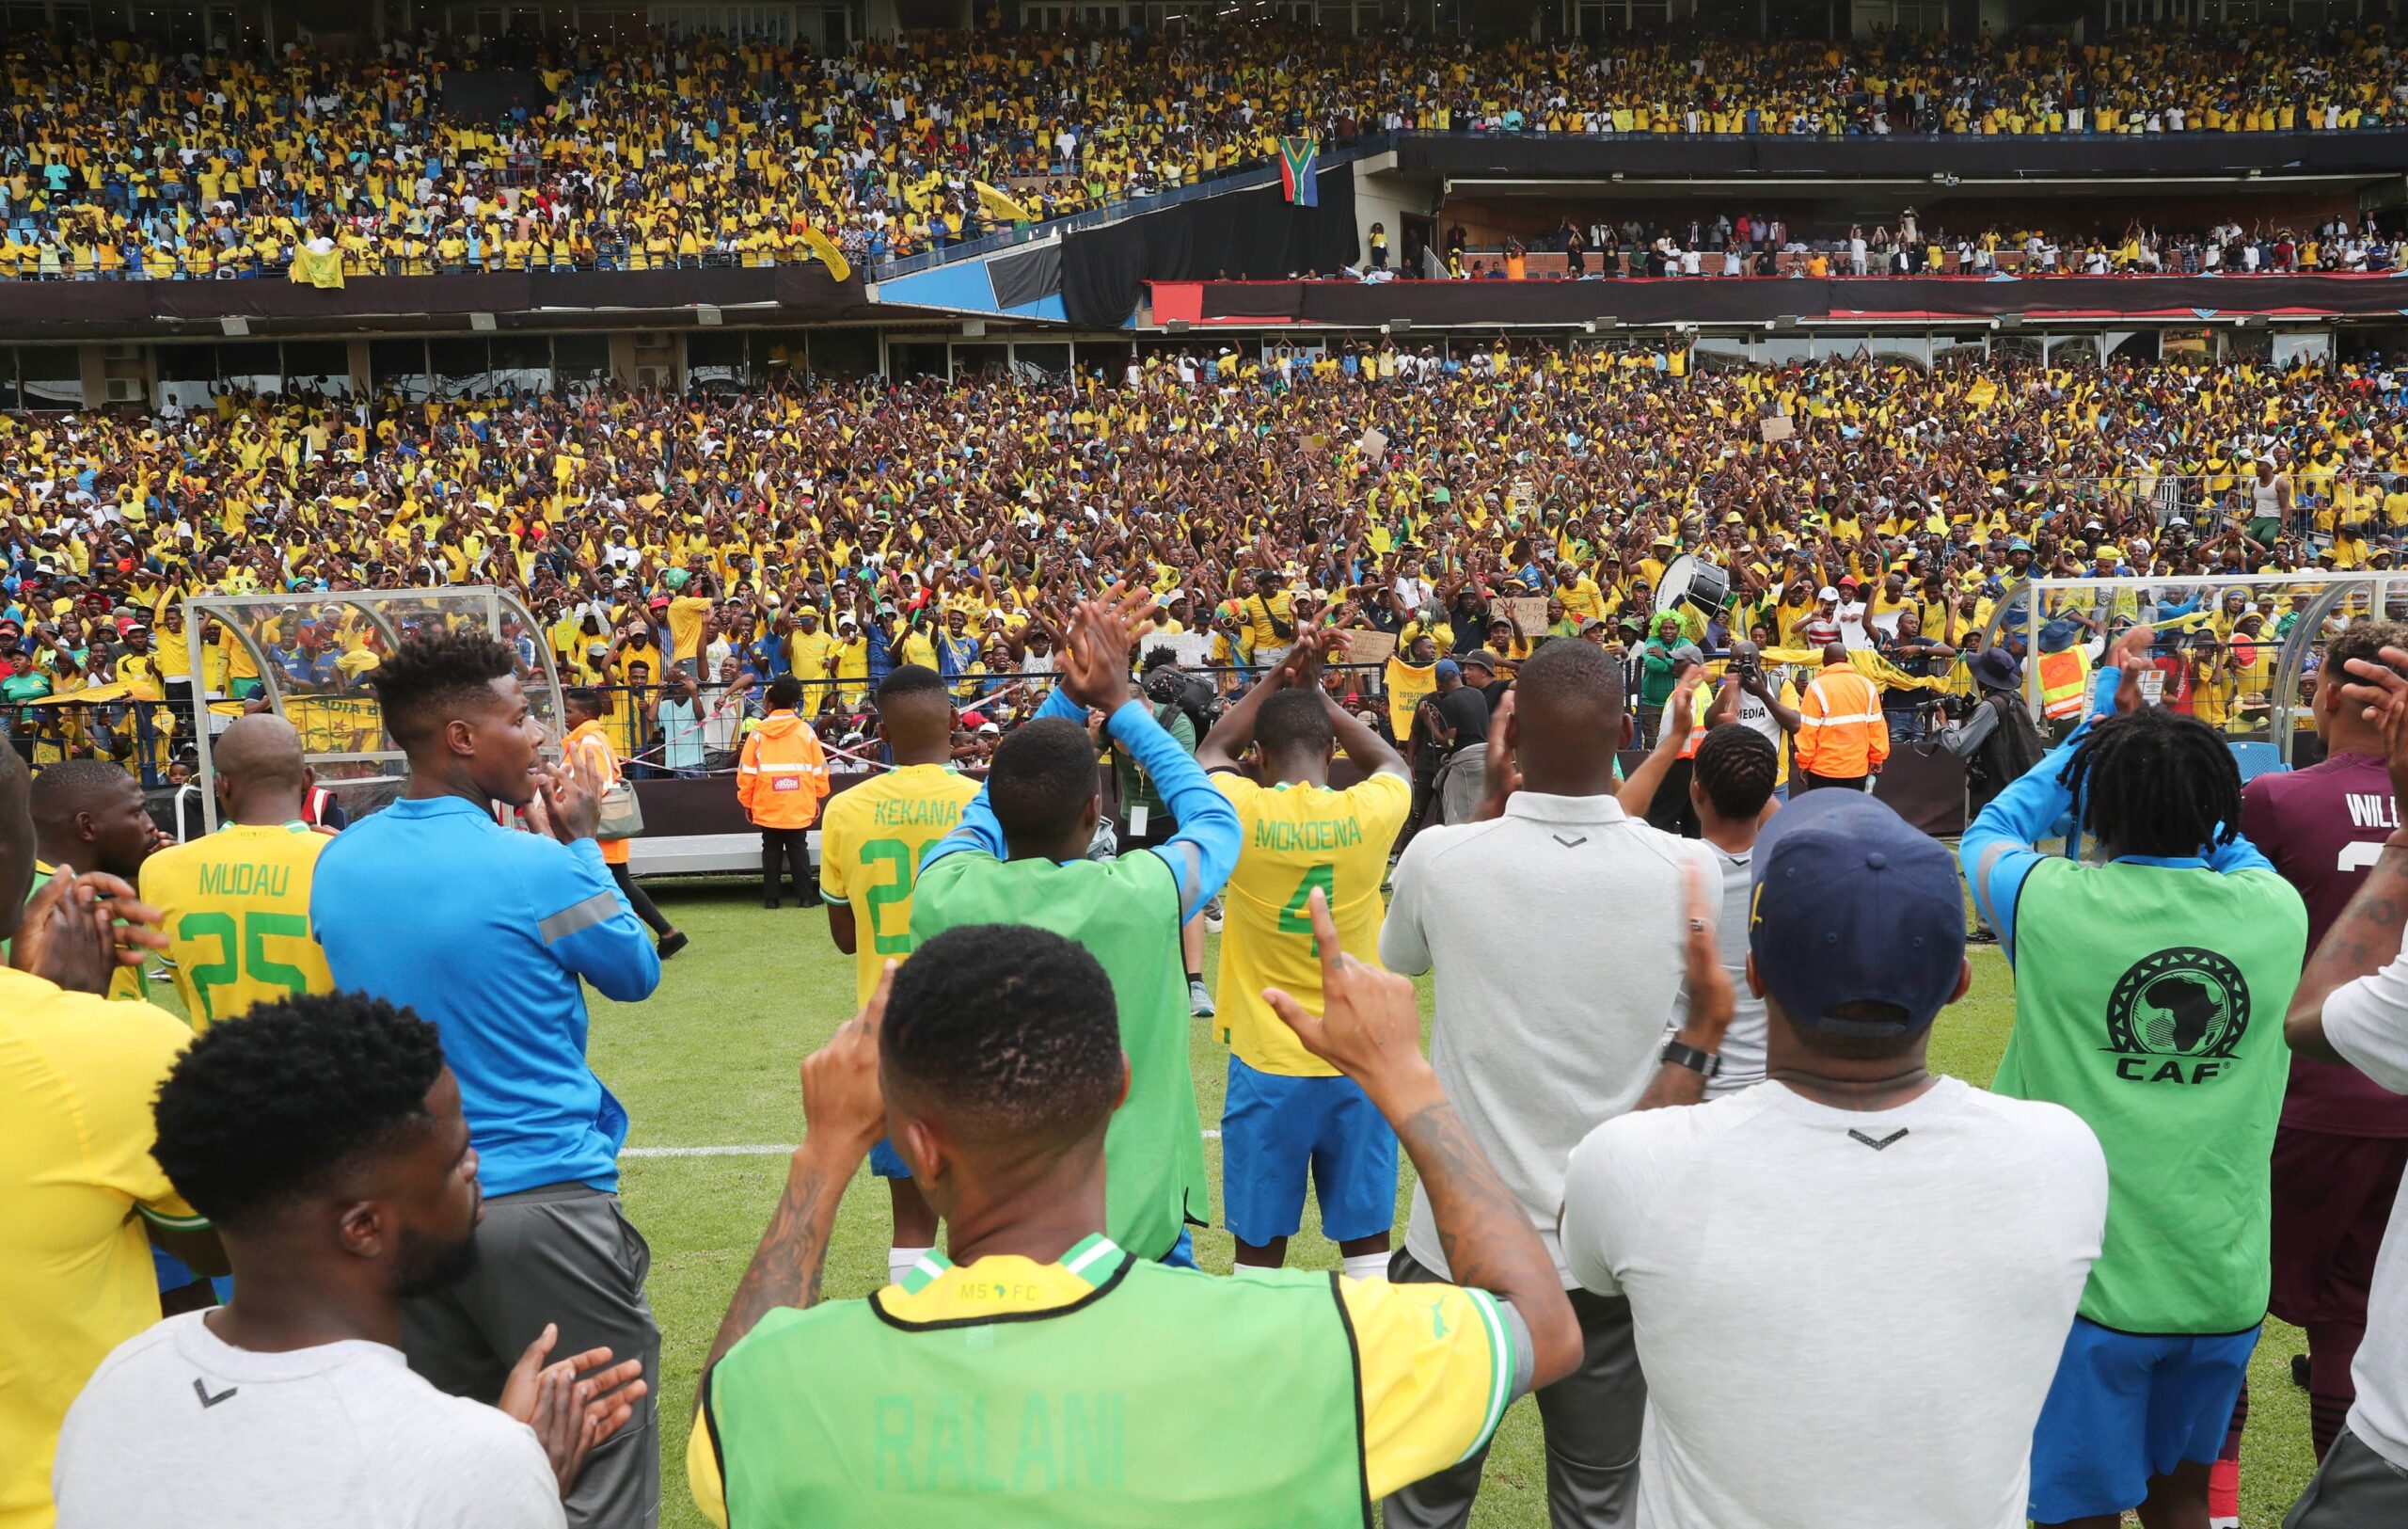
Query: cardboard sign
point(1373, 443)
point(1527, 613)
point(1194, 648)
point(1777, 427)
point(1368, 647)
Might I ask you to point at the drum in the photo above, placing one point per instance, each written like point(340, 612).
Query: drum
point(1690, 581)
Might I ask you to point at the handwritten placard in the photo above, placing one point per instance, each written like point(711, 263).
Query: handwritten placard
point(1527, 613)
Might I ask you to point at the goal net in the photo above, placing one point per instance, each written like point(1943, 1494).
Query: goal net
point(309, 655)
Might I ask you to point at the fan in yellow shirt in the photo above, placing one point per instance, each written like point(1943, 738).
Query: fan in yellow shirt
point(79, 1191)
point(871, 841)
point(1289, 1114)
point(236, 905)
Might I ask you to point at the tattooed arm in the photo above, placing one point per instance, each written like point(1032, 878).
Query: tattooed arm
point(843, 1113)
point(1370, 1030)
point(2367, 936)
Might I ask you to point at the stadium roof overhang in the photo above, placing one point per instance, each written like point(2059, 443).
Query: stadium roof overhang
point(1940, 186)
point(504, 301)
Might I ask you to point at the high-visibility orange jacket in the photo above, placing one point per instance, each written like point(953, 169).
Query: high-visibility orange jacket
point(781, 776)
point(1844, 734)
point(589, 748)
point(2065, 683)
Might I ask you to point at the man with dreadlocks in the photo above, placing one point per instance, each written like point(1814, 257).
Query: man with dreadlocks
point(2149, 989)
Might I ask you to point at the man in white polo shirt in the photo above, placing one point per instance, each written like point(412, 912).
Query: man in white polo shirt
point(1543, 1031)
point(1849, 1283)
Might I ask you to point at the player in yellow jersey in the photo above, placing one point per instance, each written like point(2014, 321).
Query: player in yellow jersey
point(90, 813)
point(237, 905)
point(871, 841)
point(1288, 1114)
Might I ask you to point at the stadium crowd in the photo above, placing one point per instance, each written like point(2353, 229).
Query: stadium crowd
point(124, 160)
point(834, 531)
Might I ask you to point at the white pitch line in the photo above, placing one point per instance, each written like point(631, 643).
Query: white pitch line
point(759, 1151)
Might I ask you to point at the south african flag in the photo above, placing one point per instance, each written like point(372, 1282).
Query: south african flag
point(1296, 170)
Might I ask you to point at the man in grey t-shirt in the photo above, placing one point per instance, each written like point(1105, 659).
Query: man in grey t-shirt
point(1547, 1022)
point(323, 1135)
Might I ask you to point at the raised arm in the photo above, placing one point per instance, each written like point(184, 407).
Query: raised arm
point(1638, 793)
point(1369, 1028)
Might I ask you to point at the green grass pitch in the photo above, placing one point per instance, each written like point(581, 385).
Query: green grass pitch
point(710, 1061)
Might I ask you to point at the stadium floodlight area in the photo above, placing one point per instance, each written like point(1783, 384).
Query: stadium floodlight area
point(342, 734)
point(2268, 711)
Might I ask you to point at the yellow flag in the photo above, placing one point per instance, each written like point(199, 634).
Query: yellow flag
point(1981, 394)
point(998, 204)
point(1407, 684)
point(310, 268)
point(829, 256)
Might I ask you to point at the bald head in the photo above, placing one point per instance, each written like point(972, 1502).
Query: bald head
point(261, 775)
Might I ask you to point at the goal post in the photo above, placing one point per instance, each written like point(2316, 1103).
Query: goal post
point(2244, 676)
point(304, 648)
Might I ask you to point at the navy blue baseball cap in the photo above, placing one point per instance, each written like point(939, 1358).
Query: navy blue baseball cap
point(1854, 905)
point(1450, 669)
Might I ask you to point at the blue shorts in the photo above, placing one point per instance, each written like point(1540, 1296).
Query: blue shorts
point(1275, 1129)
point(2126, 1407)
point(886, 1162)
point(1182, 1252)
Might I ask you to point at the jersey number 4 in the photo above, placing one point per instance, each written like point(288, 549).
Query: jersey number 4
point(250, 944)
point(1296, 917)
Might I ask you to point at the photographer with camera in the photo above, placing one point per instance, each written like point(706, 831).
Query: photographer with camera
point(1912, 653)
point(1768, 705)
point(1992, 734)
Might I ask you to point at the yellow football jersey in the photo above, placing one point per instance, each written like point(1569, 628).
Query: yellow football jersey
point(236, 908)
point(1292, 839)
point(871, 841)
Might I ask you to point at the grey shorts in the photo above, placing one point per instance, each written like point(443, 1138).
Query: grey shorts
point(560, 1254)
point(2354, 1489)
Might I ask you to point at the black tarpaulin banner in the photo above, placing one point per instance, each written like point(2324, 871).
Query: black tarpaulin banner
point(1243, 234)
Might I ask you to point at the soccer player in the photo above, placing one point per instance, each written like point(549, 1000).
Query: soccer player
point(1020, 856)
point(236, 905)
point(322, 1138)
point(2149, 990)
point(432, 904)
point(1042, 1374)
point(871, 841)
point(2344, 1138)
point(89, 813)
point(1287, 1115)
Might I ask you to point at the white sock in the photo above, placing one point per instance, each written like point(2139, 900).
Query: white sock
point(1366, 1266)
point(899, 1262)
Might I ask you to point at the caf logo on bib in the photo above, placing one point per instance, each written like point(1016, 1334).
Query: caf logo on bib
point(2183, 1003)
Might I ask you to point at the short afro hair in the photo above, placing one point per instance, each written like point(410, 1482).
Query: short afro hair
point(1293, 721)
point(62, 789)
point(434, 672)
point(266, 1108)
point(908, 679)
point(785, 694)
point(1010, 1030)
point(1041, 776)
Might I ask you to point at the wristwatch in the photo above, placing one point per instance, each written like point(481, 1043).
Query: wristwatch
point(1703, 1063)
